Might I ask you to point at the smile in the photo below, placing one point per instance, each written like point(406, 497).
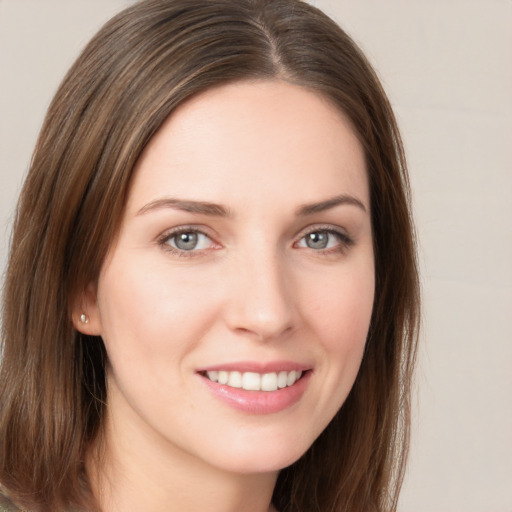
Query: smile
point(252, 381)
point(255, 390)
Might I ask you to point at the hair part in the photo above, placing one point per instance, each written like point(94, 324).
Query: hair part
point(131, 76)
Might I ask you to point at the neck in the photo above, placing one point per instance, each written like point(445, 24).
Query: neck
point(135, 472)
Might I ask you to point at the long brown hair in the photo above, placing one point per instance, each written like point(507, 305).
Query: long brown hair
point(127, 81)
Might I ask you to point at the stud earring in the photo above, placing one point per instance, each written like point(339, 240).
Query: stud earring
point(84, 319)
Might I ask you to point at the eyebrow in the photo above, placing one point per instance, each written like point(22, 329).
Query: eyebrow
point(218, 210)
point(342, 199)
point(199, 207)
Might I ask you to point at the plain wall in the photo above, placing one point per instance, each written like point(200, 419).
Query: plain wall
point(447, 68)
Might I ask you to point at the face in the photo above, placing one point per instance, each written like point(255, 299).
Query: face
point(235, 303)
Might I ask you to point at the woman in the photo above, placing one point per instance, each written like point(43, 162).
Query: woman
point(211, 299)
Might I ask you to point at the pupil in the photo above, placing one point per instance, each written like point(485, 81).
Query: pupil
point(186, 241)
point(317, 240)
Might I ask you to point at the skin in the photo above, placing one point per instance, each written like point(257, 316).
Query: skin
point(253, 289)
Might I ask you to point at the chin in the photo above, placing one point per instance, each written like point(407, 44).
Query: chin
point(266, 455)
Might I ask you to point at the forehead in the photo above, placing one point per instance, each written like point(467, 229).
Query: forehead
point(246, 139)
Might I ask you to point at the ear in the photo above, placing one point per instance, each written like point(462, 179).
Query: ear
point(85, 313)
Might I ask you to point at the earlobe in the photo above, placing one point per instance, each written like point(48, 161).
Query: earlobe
point(85, 314)
point(86, 325)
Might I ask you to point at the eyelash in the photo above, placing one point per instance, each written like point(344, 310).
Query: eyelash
point(163, 241)
point(345, 241)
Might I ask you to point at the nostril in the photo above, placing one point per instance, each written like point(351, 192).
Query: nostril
point(265, 332)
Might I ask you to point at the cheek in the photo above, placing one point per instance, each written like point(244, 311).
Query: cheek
point(146, 314)
point(341, 308)
point(340, 316)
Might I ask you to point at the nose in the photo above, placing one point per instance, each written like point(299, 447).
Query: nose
point(261, 303)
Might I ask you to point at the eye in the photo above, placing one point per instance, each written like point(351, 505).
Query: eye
point(324, 239)
point(188, 240)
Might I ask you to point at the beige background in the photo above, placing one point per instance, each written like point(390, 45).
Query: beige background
point(447, 68)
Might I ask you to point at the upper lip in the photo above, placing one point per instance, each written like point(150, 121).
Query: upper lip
point(257, 367)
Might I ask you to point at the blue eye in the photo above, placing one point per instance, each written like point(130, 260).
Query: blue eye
point(188, 241)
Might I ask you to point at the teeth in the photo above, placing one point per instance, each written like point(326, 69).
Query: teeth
point(282, 379)
point(252, 381)
point(214, 376)
point(235, 379)
point(292, 377)
point(269, 382)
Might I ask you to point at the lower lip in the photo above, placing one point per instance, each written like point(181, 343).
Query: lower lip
point(259, 402)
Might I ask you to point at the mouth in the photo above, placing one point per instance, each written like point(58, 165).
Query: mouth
point(253, 381)
point(258, 392)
